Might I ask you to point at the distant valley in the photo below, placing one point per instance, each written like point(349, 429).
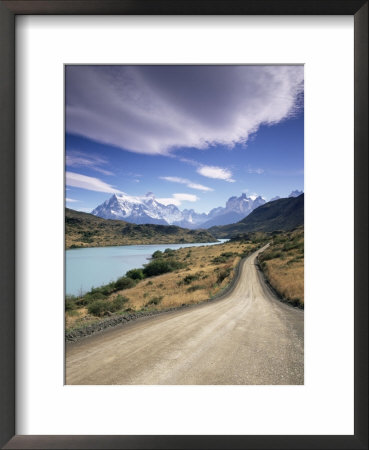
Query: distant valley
point(86, 230)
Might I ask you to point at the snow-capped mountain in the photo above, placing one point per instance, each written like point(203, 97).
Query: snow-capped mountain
point(277, 197)
point(236, 209)
point(295, 193)
point(192, 219)
point(138, 210)
point(147, 209)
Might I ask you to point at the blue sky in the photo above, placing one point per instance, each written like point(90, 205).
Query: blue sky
point(192, 135)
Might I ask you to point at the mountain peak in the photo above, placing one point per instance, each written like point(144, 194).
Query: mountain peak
point(146, 209)
point(295, 193)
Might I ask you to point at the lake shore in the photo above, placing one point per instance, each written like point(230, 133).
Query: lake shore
point(203, 272)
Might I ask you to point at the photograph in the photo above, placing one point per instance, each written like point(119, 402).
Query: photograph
point(184, 224)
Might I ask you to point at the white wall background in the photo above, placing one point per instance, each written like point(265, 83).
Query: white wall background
point(325, 404)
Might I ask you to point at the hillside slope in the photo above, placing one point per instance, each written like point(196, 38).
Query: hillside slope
point(283, 214)
point(86, 230)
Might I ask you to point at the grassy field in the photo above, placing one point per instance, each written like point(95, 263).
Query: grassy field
point(283, 265)
point(172, 278)
point(86, 230)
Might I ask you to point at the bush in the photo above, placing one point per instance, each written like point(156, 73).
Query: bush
point(98, 307)
point(266, 256)
point(219, 260)
point(160, 266)
point(118, 303)
point(190, 278)
point(196, 288)
point(107, 289)
point(223, 274)
point(90, 297)
point(157, 254)
point(227, 254)
point(154, 301)
point(70, 302)
point(135, 274)
point(124, 283)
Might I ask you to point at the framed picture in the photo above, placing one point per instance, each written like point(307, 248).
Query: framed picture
point(180, 126)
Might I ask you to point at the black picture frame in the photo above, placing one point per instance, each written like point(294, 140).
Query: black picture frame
point(8, 12)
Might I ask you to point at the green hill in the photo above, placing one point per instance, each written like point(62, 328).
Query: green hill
point(87, 230)
point(280, 215)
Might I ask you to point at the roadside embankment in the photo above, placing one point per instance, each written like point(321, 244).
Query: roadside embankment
point(282, 265)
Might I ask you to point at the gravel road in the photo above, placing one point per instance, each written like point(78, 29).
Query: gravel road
point(249, 337)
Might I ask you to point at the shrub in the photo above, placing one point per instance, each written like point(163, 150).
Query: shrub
point(95, 296)
point(135, 274)
point(196, 288)
point(157, 254)
point(98, 307)
point(107, 289)
point(124, 283)
point(160, 266)
point(223, 274)
point(90, 297)
point(271, 255)
point(118, 303)
point(227, 254)
point(219, 260)
point(154, 301)
point(190, 278)
point(70, 302)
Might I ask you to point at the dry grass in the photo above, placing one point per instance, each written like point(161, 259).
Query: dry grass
point(86, 230)
point(173, 288)
point(208, 269)
point(283, 266)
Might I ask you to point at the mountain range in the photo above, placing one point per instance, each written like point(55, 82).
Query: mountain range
point(147, 210)
point(282, 214)
point(87, 230)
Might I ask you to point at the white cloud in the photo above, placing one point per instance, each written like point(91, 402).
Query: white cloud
point(79, 159)
point(87, 210)
point(89, 183)
point(177, 199)
point(188, 183)
point(71, 200)
point(257, 171)
point(155, 109)
point(216, 172)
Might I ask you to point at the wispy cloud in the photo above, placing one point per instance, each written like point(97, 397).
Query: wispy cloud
point(93, 162)
point(84, 209)
point(256, 171)
point(156, 109)
point(287, 173)
point(177, 199)
point(71, 200)
point(188, 183)
point(90, 183)
point(219, 173)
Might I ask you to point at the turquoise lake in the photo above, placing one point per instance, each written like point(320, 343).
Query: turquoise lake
point(93, 267)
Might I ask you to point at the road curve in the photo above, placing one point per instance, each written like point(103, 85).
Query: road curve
point(249, 337)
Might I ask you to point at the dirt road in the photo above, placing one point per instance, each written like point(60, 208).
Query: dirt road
point(247, 338)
